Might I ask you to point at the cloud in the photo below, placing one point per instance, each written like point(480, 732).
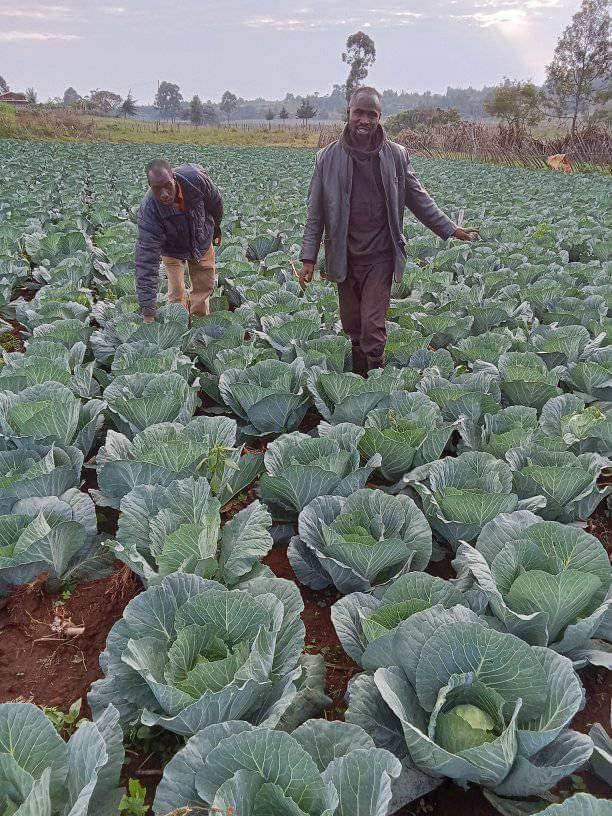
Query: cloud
point(113, 10)
point(306, 19)
point(35, 12)
point(35, 36)
point(485, 19)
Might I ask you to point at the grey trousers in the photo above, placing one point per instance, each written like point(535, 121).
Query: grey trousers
point(364, 299)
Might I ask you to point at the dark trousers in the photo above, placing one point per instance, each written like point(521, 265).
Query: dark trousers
point(364, 299)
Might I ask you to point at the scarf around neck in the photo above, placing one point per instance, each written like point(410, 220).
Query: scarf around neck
point(367, 150)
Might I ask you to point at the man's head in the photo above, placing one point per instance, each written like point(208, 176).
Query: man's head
point(364, 113)
point(161, 181)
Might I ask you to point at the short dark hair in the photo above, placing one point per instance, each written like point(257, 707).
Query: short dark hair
point(368, 89)
point(159, 164)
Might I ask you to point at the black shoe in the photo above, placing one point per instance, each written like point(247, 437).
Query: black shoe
point(360, 363)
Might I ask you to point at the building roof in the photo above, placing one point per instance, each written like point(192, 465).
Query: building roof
point(11, 96)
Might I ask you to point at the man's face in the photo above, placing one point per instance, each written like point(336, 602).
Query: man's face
point(163, 185)
point(363, 116)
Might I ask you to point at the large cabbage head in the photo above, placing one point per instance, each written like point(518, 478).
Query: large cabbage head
point(45, 361)
point(147, 358)
point(467, 702)
point(299, 468)
point(525, 379)
point(170, 330)
point(188, 653)
point(320, 769)
point(162, 453)
point(178, 529)
point(137, 401)
point(55, 535)
point(409, 433)
point(36, 470)
point(463, 396)
point(270, 396)
point(592, 378)
point(547, 583)
point(349, 397)
point(50, 413)
point(358, 542)
point(366, 622)
point(567, 482)
point(215, 333)
point(285, 332)
point(41, 775)
point(460, 495)
point(581, 428)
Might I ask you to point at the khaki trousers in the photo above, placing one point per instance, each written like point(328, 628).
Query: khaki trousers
point(202, 277)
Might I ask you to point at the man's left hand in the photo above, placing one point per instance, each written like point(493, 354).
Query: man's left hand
point(466, 234)
point(217, 240)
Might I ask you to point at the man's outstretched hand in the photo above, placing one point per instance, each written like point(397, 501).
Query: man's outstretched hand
point(466, 234)
point(306, 273)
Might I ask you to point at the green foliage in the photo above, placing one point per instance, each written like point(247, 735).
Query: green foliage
point(133, 802)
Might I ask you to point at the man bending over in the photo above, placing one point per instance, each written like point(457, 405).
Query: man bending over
point(179, 221)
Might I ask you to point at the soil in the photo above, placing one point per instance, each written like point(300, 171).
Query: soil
point(50, 644)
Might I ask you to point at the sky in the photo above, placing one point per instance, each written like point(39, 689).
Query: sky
point(268, 48)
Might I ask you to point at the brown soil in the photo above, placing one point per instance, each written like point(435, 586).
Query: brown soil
point(49, 646)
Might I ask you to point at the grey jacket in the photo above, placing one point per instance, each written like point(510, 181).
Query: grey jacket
point(166, 230)
point(329, 198)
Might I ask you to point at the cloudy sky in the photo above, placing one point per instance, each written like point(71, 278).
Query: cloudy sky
point(267, 47)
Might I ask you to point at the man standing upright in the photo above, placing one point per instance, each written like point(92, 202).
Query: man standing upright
point(360, 187)
point(179, 222)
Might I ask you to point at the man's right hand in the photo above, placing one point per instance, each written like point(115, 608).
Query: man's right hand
point(306, 273)
point(148, 318)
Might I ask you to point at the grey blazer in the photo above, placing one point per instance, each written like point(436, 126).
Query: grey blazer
point(329, 198)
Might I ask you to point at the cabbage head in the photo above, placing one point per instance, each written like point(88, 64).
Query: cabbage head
point(591, 379)
point(189, 653)
point(467, 702)
point(178, 529)
point(349, 397)
point(44, 361)
point(36, 470)
point(41, 775)
point(321, 769)
point(160, 454)
point(366, 622)
point(137, 401)
point(300, 467)
point(358, 542)
point(54, 535)
point(567, 482)
point(407, 434)
point(51, 414)
point(460, 495)
point(547, 583)
point(270, 396)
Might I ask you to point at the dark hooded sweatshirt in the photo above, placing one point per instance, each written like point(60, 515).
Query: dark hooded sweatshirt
point(369, 236)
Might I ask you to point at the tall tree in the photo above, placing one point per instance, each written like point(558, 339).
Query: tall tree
point(581, 62)
point(105, 101)
point(128, 108)
point(360, 55)
point(196, 111)
point(229, 103)
point(209, 114)
point(305, 111)
point(71, 97)
point(269, 117)
point(4, 88)
point(518, 104)
point(168, 100)
point(31, 96)
point(284, 114)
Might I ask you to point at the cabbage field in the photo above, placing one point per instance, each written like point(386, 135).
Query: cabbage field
point(278, 588)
